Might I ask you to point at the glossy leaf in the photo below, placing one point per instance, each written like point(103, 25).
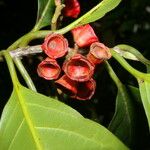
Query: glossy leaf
point(45, 12)
point(144, 87)
point(99, 11)
point(35, 122)
point(123, 123)
point(94, 14)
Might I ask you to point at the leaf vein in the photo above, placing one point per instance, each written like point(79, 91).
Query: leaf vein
point(71, 132)
point(15, 135)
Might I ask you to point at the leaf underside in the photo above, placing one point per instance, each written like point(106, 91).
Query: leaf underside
point(33, 121)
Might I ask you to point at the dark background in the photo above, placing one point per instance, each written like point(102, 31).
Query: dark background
point(129, 23)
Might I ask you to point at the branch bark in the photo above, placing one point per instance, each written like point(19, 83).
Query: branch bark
point(24, 51)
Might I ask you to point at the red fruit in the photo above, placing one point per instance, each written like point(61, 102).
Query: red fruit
point(48, 69)
point(78, 68)
point(72, 8)
point(84, 35)
point(55, 46)
point(98, 53)
point(85, 90)
point(67, 85)
point(78, 90)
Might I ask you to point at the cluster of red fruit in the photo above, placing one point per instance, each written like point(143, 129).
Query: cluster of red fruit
point(78, 69)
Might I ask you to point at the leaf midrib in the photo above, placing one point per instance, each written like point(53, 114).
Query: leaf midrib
point(27, 117)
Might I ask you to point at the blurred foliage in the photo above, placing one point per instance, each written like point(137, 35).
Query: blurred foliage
point(129, 23)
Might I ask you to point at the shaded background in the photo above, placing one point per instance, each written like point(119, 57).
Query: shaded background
point(129, 23)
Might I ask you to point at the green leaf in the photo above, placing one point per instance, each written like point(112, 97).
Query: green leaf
point(143, 80)
point(36, 122)
point(125, 54)
point(99, 11)
point(144, 87)
point(130, 52)
point(94, 14)
point(134, 93)
point(148, 68)
point(123, 123)
point(45, 12)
